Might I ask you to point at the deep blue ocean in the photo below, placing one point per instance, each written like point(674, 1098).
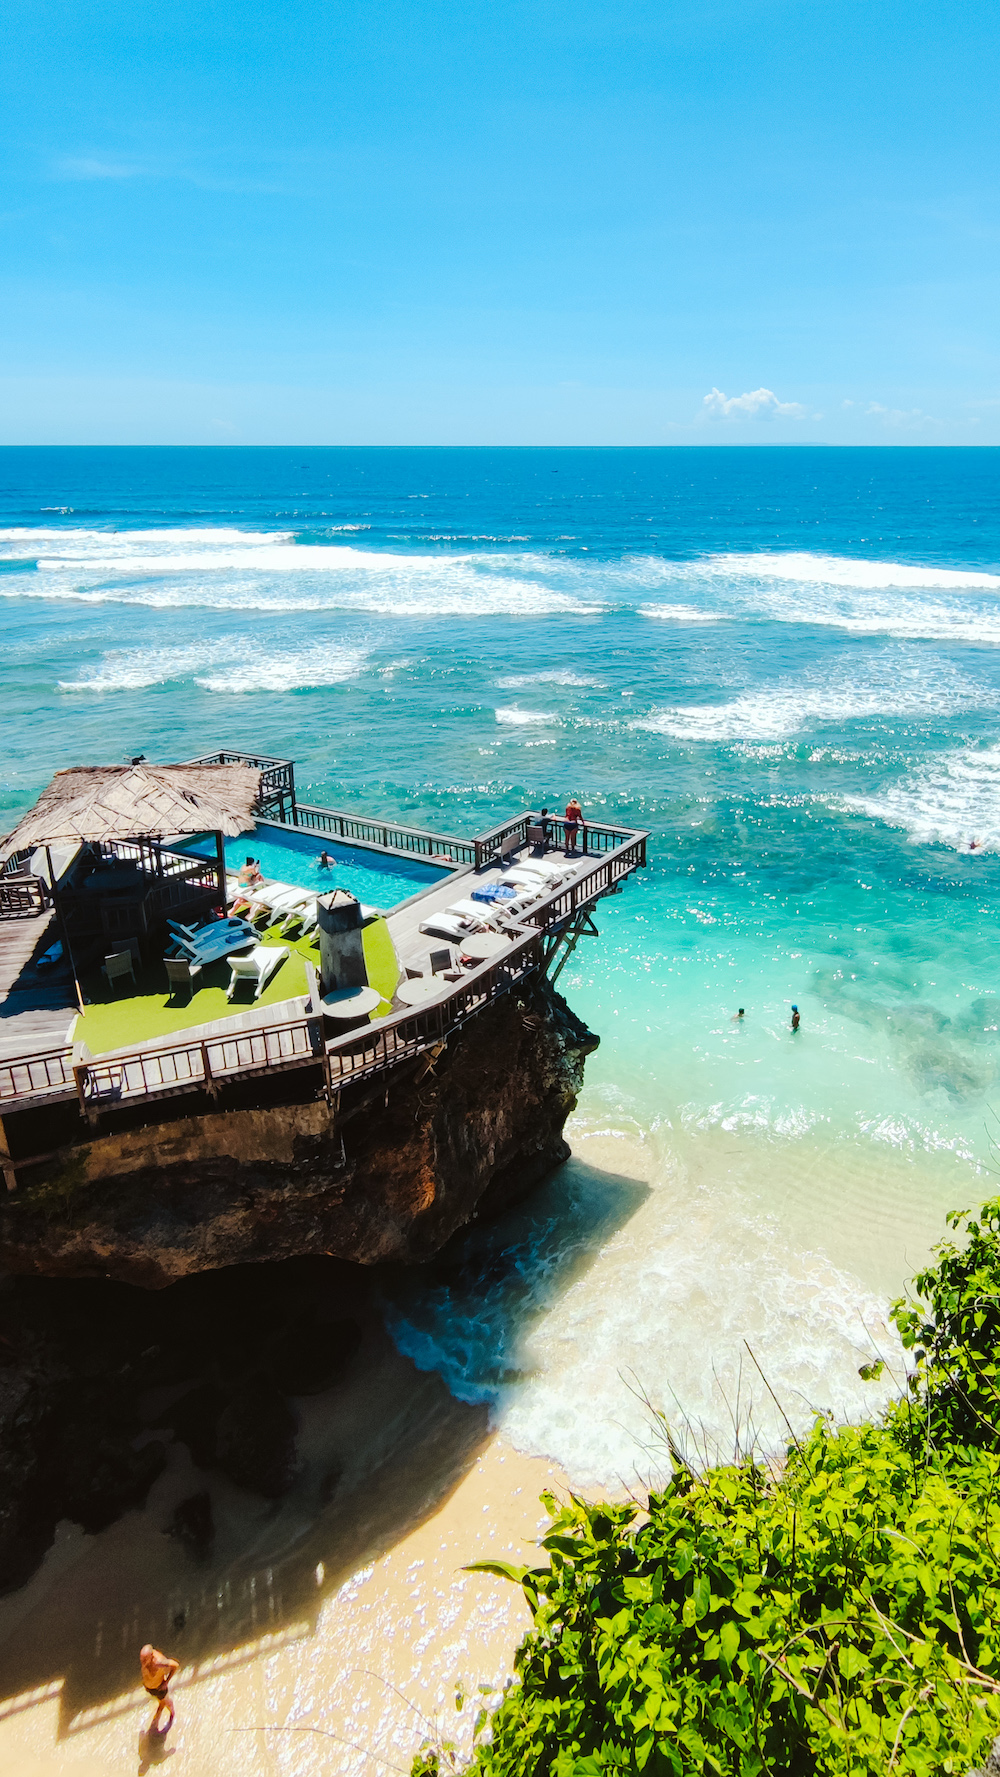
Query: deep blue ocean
point(784, 662)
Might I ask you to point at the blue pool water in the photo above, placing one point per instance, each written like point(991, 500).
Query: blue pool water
point(294, 858)
point(786, 664)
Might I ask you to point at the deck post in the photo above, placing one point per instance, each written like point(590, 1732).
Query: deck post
point(10, 1177)
point(211, 1083)
point(57, 904)
point(220, 862)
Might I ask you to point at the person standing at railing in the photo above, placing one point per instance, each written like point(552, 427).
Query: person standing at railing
point(574, 821)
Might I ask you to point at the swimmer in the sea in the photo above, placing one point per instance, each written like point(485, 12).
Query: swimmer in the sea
point(795, 1017)
point(737, 1017)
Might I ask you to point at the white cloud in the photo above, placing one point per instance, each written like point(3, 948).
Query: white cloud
point(900, 416)
point(88, 167)
point(758, 404)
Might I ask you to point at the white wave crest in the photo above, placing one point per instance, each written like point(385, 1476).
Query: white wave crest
point(555, 676)
point(229, 665)
point(777, 713)
point(954, 800)
point(680, 614)
point(515, 718)
point(836, 570)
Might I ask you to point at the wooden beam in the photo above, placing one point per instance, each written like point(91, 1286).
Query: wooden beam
point(10, 1177)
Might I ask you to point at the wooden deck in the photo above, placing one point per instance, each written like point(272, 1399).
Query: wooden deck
point(36, 1010)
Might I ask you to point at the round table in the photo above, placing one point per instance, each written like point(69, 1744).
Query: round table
point(350, 1002)
point(482, 945)
point(421, 988)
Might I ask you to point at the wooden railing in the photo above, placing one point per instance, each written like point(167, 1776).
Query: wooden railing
point(18, 861)
point(29, 1076)
point(276, 796)
point(403, 1034)
point(20, 896)
point(411, 841)
point(595, 837)
point(203, 1064)
point(564, 903)
point(199, 1065)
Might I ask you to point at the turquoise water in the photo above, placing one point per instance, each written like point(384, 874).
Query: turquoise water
point(294, 858)
point(786, 664)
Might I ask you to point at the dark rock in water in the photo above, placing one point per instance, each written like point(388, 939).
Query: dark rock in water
point(104, 1478)
point(255, 1439)
point(312, 1353)
point(193, 1525)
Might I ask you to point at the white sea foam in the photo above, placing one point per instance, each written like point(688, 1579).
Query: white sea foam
point(554, 676)
point(953, 799)
point(680, 614)
point(606, 1291)
point(270, 570)
point(517, 718)
point(777, 713)
point(231, 665)
point(837, 570)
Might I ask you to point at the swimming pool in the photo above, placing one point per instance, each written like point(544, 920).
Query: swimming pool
point(293, 857)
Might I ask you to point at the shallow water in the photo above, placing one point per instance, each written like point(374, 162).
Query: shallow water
point(785, 664)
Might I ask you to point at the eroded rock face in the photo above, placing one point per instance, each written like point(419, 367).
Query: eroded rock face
point(97, 1379)
point(388, 1174)
point(209, 1204)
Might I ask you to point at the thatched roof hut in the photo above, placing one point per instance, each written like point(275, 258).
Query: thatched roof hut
point(137, 801)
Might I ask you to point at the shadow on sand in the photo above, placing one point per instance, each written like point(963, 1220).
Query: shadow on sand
point(379, 1453)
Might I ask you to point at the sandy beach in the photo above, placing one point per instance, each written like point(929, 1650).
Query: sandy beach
point(316, 1637)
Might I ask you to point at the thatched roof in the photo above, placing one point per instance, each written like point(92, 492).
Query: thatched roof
point(137, 801)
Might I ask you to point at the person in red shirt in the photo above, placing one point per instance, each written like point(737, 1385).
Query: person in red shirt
point(574, 821)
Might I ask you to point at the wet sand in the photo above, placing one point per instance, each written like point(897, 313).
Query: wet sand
point(316, 1637)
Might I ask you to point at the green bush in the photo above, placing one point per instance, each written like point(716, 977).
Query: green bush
point(842, 1618)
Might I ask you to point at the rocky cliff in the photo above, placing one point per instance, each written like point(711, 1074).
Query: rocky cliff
point(386, 1173)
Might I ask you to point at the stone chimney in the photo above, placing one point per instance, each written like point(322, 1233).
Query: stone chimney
point(341, 957)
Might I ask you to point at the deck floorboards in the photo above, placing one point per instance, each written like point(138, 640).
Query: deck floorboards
point(36, 1011)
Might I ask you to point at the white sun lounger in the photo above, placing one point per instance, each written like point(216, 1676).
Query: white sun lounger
point(447, 925)
point(258, 967)
point(213, 941)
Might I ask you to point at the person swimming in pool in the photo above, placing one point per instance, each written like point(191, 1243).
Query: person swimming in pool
point(250, 874)
point(324, 862)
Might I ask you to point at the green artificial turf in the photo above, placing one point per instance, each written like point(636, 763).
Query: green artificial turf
point(381, 963)
point(127, 1018)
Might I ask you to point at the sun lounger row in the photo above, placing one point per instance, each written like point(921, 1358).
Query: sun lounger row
point(284, 904)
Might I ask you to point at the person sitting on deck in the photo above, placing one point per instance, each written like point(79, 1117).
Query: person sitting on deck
point(574, 821)
point(250, 874)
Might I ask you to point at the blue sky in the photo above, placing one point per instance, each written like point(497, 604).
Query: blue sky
point(417, 221)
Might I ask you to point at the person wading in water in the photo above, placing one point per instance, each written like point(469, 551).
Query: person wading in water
point(157, 1671)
